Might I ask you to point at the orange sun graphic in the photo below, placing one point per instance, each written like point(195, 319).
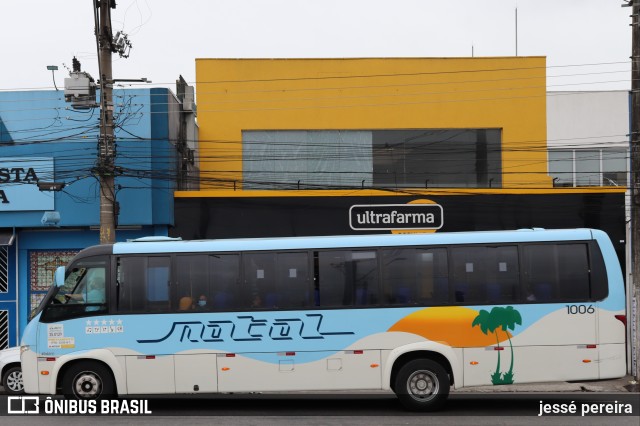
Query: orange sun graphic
point(448, 325)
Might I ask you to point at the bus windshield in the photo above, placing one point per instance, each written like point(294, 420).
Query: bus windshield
point(84, 285)
point(53, 290)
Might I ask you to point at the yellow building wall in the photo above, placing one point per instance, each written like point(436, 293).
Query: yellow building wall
point(508, 93)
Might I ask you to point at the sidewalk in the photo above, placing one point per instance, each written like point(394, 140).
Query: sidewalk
point(624, 384)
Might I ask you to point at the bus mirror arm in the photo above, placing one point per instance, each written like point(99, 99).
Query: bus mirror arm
point(58, 277)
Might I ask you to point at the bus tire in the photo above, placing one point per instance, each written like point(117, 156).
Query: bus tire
point(422, 385)
point(88, 380)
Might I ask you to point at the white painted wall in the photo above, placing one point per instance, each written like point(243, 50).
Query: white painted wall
point(588, 119)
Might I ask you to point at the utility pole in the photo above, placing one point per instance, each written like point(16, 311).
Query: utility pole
point(106, 144)
point(635, 188)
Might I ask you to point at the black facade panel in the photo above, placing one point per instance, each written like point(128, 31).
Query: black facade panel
point(200, 218)
point(256, 217)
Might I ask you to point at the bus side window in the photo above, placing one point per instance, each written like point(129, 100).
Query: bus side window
point(191, 280)
point(399, 276)
point(143, 283)
point(260, 280)
point(432, 276)
point(599, 284)
point(331, 277)
point(503, 275)
point(129, 272)
point(224, 285)
point(556, 272)
point(468, 273)
point(574, 274)
point(486, 274)
point(415, 276)
point(293, 280)
point(158, 281)
point(348, 278)
point(365, 278)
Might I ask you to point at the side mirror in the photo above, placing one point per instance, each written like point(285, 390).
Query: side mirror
point(58, 278)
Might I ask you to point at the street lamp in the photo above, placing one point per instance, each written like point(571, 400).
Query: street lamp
point(53, 69)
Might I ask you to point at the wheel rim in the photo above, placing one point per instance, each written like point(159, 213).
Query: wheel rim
point(423, 385)
point(14, 381)
point(87, 385)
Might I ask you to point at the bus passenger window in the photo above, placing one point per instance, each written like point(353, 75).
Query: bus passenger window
point(598, 274)
point(293, 280)
point(468, 273)
point(399, 276)
point(574, 274)
point(332, 276)
point(556, 272)
point(432, 276)
point(503, 275)
point(485, 274)
point(158, 281)
point(348, 278)
point(191, 279)
point(365, 277)
point(143, 283)
point(260, 280)
point(415, 276)
point(224, 285)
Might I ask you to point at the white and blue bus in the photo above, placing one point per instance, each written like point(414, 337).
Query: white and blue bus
point(413, 313)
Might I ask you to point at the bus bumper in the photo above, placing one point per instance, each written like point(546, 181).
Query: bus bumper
point(30, 376)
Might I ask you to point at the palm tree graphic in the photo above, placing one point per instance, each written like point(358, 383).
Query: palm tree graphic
point(504, 318)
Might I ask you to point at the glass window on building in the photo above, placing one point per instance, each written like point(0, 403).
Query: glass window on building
point(587, 166)
point(614, 167)
point(320, 159)
point(593, 167)
point(457, 158)
point(561, 168)
point(300, 159)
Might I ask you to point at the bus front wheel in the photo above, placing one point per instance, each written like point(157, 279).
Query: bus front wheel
point(88, 380)
point(422, 385)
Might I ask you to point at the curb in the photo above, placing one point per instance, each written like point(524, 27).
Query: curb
point(625, 384)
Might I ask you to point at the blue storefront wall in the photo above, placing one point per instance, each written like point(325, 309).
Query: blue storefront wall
point(40, 127)
point(43, 139)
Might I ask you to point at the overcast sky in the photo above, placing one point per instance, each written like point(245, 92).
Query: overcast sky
point(591, 37)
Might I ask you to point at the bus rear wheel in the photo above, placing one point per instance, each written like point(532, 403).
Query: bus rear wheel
point(422, 385)
point(88, 380)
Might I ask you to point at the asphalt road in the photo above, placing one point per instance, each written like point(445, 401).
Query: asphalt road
point(353, 410)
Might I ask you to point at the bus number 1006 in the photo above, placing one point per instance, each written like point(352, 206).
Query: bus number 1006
point(580, 309)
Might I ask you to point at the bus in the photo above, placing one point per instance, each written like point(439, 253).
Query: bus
point(416, 314)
